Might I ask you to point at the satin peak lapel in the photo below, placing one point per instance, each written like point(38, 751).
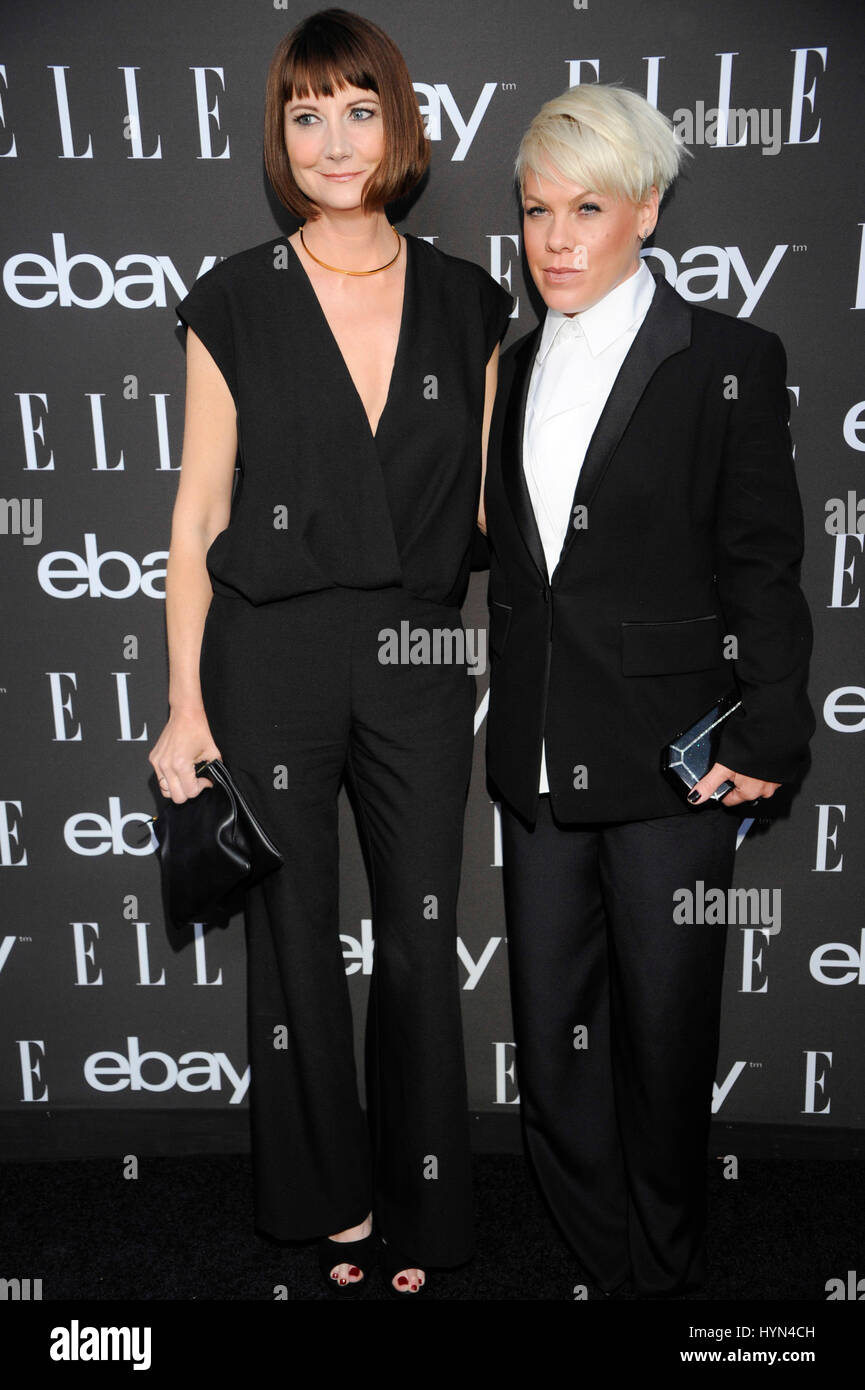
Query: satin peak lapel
point(513, 474)
point(665, 330)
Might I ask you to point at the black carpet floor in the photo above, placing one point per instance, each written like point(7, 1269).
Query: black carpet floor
point(182, 1230)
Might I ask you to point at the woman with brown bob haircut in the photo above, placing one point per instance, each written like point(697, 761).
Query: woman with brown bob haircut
point(350, 371)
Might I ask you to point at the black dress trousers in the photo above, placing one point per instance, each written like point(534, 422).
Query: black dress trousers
point(616, 1118)
point(297, 699)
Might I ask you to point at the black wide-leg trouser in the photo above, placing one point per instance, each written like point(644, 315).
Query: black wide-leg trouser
point(298, 700)
point(616, 1119)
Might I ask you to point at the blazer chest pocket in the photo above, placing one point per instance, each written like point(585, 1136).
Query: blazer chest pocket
point(500, 621)
point(668, 649)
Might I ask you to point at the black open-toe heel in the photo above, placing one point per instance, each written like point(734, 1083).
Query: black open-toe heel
point(362, 1253)
point(393, 1262)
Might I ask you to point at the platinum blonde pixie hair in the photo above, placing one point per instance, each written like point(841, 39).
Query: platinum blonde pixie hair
point(605, 138)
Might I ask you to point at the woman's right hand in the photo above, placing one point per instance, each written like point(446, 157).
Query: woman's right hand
point(185, 741)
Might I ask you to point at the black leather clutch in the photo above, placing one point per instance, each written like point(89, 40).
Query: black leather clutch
point(691, 753)
point(210, 846)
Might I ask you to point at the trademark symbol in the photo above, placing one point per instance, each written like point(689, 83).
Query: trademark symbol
point(25, 938)
point(755, 1064)
point(799, 247)
point(508, 86)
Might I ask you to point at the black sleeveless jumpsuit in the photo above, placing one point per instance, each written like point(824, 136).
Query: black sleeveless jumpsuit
point(335, 537)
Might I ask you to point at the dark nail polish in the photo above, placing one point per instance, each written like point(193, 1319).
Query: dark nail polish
point(694, 795)
point(354, 1270)
point(402, 1279)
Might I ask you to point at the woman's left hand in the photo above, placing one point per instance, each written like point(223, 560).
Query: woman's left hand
point(744, 788)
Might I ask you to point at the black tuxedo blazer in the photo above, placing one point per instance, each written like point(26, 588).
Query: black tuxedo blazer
point(692, 534)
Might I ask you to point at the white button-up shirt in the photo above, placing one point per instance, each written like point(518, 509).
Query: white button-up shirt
point(577, 362)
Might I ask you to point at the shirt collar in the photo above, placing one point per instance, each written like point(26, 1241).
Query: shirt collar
point(613, 315)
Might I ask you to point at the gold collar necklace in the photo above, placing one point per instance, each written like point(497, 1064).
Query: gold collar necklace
point(353, 272)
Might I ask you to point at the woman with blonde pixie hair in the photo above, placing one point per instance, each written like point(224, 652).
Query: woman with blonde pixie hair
point(640, 512)
point(624, 145)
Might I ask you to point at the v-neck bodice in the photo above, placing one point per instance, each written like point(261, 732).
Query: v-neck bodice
point(404, 317)
point(321, 501)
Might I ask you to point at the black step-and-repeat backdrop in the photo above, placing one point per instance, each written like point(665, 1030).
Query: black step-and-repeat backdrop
point(130, 159)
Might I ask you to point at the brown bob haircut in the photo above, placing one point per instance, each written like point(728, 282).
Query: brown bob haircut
point(325, 53)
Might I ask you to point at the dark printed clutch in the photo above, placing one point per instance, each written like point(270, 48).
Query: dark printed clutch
point(690, 754)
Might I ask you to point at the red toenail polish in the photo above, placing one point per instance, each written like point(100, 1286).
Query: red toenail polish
point(402, 1279)
point(354, 1270)
point(342, 1281)
point(414, 1286)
